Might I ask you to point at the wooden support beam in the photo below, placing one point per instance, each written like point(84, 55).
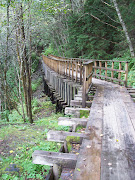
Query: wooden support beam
point(51, 158)
point(79, 103)
point(60, 136)
point(67, 121)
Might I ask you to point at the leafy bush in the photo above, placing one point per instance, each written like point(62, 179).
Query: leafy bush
point(35, 84)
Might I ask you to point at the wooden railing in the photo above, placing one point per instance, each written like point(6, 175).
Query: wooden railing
point(115, 71)
point(80, 70)
point(77, 70)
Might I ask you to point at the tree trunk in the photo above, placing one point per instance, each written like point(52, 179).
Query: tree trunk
point(28, 78)
point(124, 29)
point(5, 64)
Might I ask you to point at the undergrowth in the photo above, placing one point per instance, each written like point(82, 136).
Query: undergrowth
point(19, 141)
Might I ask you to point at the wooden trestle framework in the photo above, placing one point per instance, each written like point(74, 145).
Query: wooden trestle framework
point(66, 76)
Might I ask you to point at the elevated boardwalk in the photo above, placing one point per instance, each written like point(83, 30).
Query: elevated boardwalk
point(107, 145)
point(109, 153)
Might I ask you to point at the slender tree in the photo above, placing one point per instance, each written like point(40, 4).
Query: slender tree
point(124, 28)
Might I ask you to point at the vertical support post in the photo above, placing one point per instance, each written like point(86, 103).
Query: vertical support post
point(112, 71)
point(81, 69)
point(126, 73)
point(72, 70)
point(84, 87)
point(69, 68)
point(100, 65)
point(76, 71)
point(66, 67)
point(119, 75)
point(56, 171)
point(105, 70)
point(95, 70)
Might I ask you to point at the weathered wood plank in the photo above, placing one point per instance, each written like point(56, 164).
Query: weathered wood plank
point(89, 159)
point(60, 136)
point(67, 121)
point(79, 103)
point(50, 158)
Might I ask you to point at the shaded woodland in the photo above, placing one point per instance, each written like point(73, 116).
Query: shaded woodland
point(90, 29)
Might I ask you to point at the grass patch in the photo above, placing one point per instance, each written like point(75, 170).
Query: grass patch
point(19, 141)
point(84, 113)
point(35, 84)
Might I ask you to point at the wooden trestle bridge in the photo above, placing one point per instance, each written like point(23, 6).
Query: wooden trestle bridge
point(107, 142)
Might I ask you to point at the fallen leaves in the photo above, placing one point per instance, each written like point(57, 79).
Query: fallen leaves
point(78, 169)
point(11, 151)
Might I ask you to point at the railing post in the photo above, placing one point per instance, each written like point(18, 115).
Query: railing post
point(105, 70)
point(84, 86)
point(126, 73)
point(76, 71)
point(100, 65)
point(95, 70)
point(72, 70)
point(66, 67)
point(69, 68)
point(112, 71)
point(81, 69)
point(119, 75)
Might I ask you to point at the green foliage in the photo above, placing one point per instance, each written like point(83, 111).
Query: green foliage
point(35, 84)
point(21, 152)
point(70, 140)
point(50, 50)
point(25, 139)
point(84, 113)
point(78, 128)
point(35, 61)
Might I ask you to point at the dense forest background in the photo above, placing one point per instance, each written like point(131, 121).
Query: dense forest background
point(89, 29)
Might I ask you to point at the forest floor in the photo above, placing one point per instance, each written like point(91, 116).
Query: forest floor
point(18, 140)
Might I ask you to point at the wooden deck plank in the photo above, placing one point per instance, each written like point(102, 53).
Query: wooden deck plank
point(112, 124)
point(89, 159)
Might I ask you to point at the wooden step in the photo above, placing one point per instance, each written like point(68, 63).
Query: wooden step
point(67, 121)
point(60, 136)
point(50, 158)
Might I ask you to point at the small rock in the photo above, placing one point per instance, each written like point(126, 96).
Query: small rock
point(12, 168)
point(32, 143)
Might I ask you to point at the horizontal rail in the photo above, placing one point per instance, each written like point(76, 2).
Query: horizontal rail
point(115, 71)
point(59, 57)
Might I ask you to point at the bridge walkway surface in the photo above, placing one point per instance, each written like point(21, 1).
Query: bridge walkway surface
point(109, 152)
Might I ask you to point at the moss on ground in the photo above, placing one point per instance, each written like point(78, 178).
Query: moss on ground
point(84, 113)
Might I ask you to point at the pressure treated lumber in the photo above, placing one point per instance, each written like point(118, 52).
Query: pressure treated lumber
point(50, 158)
